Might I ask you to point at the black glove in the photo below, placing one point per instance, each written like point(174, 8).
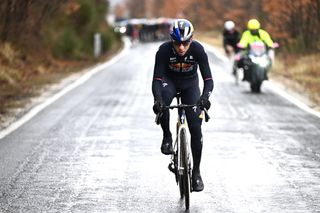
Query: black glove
point(158, 106)
point(204, 103)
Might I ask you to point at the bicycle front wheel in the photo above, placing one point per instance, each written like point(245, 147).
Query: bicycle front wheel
point(184, 176)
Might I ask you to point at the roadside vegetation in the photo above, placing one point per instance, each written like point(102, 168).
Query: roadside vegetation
point(301, 73)
point(43, 41)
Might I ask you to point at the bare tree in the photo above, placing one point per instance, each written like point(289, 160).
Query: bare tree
point(22, 18)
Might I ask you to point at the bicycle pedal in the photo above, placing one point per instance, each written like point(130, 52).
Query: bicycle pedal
point(172, 168)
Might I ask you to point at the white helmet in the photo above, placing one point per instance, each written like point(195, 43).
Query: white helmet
point(229, 25)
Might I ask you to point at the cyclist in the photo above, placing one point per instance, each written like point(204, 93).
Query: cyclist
point(231, 37)
point(175, 70)
point(252, 34)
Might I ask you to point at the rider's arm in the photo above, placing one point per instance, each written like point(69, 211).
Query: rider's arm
point(266, 38)
point(159, 67)
point(245, 40)
point(205, 71)
point(270, 44)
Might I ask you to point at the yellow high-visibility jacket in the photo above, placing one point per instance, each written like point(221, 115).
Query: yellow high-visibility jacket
point(247, 38)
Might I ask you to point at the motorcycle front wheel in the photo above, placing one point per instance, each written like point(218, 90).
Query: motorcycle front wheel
point(257, 77)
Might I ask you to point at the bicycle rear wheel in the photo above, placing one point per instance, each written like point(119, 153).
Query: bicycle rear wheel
point(184, 176)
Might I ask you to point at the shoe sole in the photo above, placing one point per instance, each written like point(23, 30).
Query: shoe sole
point(166, 153)
point(198, 190)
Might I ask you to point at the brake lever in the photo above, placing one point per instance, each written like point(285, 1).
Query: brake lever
point(157, 120)
point(206, 115)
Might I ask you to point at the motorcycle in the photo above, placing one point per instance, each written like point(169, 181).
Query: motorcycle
point(256, 65)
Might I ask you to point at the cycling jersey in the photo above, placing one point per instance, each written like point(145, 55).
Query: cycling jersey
point(181, 68)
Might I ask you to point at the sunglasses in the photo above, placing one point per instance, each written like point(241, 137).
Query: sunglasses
point(184, 43)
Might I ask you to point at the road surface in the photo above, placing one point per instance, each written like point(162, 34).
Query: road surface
point(97, 149)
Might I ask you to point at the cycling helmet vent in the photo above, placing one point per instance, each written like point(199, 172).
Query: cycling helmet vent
point(182, 30)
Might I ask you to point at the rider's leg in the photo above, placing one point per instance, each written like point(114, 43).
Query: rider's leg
point(168, 93)
point(191, 96)
point(234, 67)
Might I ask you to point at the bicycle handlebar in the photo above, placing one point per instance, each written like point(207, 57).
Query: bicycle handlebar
point(182, 106)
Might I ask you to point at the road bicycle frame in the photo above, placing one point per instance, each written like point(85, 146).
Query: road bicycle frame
point(181, 158)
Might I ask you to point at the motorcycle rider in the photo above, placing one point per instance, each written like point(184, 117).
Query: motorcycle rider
point(231, 37)
point(252, 34)
point(175, 70)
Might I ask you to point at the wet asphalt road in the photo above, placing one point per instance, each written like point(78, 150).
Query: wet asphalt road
point(97, 149)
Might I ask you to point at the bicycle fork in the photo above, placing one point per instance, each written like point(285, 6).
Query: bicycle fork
point(175, 166)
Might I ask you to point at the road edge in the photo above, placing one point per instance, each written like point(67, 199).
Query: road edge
point(84, 76)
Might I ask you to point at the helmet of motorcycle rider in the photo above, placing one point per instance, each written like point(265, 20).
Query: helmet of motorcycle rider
point(229, 25)
point(182, 30)
point(253, 24)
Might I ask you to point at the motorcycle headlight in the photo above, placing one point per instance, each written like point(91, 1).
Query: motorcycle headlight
point(264, 63)
point(261, 61)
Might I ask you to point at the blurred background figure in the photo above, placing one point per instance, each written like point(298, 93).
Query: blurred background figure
point(231, 37)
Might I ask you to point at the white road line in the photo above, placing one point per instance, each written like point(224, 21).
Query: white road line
point(292, 99)
point(34, 111)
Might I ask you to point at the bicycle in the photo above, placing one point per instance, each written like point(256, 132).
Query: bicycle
point(181, 157)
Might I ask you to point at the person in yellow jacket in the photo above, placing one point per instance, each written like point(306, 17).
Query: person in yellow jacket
point(252, 34)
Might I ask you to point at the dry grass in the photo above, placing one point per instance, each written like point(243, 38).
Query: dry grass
point(22, 78)
point(305, 70)
point(9, 75)
point(7, 52)
point(212, 37)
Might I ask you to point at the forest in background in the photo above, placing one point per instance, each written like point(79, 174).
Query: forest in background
point(295, 24)
point(41, 41)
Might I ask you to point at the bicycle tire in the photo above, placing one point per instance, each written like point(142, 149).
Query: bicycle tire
point(180, 165)
point(185, 177)
point(236, 76)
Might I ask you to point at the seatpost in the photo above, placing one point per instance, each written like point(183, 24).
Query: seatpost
point(178, 96)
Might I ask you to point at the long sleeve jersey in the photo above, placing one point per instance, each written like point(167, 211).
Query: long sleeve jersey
point(168, 63)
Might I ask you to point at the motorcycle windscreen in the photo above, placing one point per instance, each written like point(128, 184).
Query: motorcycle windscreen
point(258, 48)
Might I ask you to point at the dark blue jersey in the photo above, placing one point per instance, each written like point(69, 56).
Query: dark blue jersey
point(170, 65)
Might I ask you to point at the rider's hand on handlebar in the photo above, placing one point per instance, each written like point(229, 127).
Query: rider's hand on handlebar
point(275, 45)
point(204, 103)
point(158, 106)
